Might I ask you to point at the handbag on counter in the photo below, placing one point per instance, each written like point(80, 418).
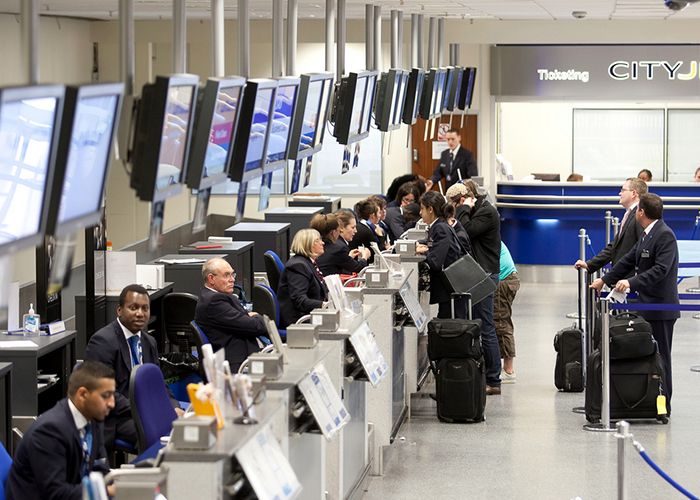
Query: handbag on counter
point(465, 275)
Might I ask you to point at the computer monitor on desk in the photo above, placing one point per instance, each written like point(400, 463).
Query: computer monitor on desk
point(547, 177)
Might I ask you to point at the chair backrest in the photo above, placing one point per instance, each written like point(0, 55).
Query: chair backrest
point(273, 268)
point(150, 405)
point(265, 302)
point(202, 336)
point(178, 310)
point(5, 464)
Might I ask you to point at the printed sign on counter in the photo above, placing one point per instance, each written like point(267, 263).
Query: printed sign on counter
point(370, 356)
point(268, 470)
point(413, 306)
point(324, 401)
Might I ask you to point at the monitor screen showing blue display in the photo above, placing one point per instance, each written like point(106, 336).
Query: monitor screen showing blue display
point(175, 135)
point(309, 126)
point(26, 137)
point(88, 156)
point(438, 91)
point(446, 90)
point(369, 100)
point(323, 111)
point(357, 103)
point(399, 98)
point(460, 75)
point(258, 129)
point(281, 123)
point(215, 161)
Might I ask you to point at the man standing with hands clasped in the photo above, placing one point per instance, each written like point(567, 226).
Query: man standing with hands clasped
point(629, 233)
point(655, 256)
point(455, 158)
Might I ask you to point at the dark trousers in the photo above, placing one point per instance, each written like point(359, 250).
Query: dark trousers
point(119, 427)
point(489, 341)
point(663, 334)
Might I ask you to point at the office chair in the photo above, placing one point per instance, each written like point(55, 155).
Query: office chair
point(5, 464)
point(150, 405)
point(178, 310)
point(273, 268)
point(265, 302)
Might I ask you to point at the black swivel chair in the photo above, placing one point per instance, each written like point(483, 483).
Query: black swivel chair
point(265, 302)
point(178, 311)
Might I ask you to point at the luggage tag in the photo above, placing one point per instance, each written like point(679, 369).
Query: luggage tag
point(661, 405)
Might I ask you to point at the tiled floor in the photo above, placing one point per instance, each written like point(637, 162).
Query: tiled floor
point(532, 446)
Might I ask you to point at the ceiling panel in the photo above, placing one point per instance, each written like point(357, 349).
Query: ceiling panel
point(355, 9)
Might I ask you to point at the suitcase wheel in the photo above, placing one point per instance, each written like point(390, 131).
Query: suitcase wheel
point(663, 419)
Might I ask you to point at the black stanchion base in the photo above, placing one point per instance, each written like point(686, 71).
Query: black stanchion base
point(579, 409)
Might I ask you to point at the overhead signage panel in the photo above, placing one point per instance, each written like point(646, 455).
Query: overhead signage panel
point(596, 71)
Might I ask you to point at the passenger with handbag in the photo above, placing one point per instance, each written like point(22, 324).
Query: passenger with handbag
point(441, 249)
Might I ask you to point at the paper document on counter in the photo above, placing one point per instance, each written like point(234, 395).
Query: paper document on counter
point(324, 401)
point(182, 261)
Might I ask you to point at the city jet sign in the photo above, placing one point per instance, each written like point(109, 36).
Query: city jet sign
point(633, 70)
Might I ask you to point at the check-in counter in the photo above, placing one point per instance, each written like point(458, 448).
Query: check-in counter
point(387, 403)
point(306, 447)
point(212, 473)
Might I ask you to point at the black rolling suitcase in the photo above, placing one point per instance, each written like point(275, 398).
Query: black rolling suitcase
point(568, 370)
point(635, 385)
point(456, 358)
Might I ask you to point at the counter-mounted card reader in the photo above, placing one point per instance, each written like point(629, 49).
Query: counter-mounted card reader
point(377, 278)
point(194, 432)
point(302, 336)
point(269, 364)
point(422, 226)
point(405, 247)
point(327, 320)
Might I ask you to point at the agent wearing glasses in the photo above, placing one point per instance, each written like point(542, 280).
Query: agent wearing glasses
point(222, 318)
point(301, 287)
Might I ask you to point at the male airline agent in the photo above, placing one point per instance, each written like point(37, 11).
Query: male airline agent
point(655, 256)
point(222, 318)
point(65, 443)
point(122, 345)
point(630, 230)
point(455, 158)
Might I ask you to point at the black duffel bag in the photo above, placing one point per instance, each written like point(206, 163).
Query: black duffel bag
point(454, 338)
point(630, 337)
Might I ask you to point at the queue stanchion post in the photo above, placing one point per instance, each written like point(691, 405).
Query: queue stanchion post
point(604, 425)
point(608, 226)
point(624, 445)
point(582, 255)
point(616, 226)
point(587, 336)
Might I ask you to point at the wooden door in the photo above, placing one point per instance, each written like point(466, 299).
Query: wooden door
point(425, 164)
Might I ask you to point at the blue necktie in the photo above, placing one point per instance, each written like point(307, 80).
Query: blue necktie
point(135, 348)
point(86, 438)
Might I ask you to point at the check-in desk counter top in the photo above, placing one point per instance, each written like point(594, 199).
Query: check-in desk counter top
point(387, 403)
point(203, 474)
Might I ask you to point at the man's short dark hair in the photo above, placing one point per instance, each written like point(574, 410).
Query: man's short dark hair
point(411, 212)
point(454, 131)
point(638, 185)
point(88, 375)
point(652, 205)
point(131, 288)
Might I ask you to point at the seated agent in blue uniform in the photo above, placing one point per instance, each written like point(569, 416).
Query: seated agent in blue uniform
point(337, 258)
point(222, 318)
point(65, 443)
point(121, 345)
point(441, 249)
point(302, 288)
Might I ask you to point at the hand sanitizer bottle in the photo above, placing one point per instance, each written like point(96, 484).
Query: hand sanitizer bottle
point(31, 323)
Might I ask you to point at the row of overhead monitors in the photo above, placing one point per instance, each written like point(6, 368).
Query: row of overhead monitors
point(56, 141)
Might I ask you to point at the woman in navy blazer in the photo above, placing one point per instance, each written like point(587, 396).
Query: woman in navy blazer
point(441, 249)
point(301, 287)
point(337, 258)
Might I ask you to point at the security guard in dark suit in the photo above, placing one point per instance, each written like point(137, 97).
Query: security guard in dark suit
point(455, 161)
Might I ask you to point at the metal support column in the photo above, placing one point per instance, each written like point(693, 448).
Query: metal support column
point(454, 54)
point(340, 71)
point(399, 47)
point(414, 41)
point(179, 36)
point(441, 41)
point(244, 38)
point(292, 25)
point(395, 63)
point(126, 45)
point(218, 66)
point(421, 42)
point(29, 17)
point(369, 36)
point(378, 38)
point(277, 38)
point(330, 33)
point(431, 43)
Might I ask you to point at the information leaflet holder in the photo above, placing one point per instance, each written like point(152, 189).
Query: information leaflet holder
point(267, 468)
point(368, 353)
point(324, 401)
